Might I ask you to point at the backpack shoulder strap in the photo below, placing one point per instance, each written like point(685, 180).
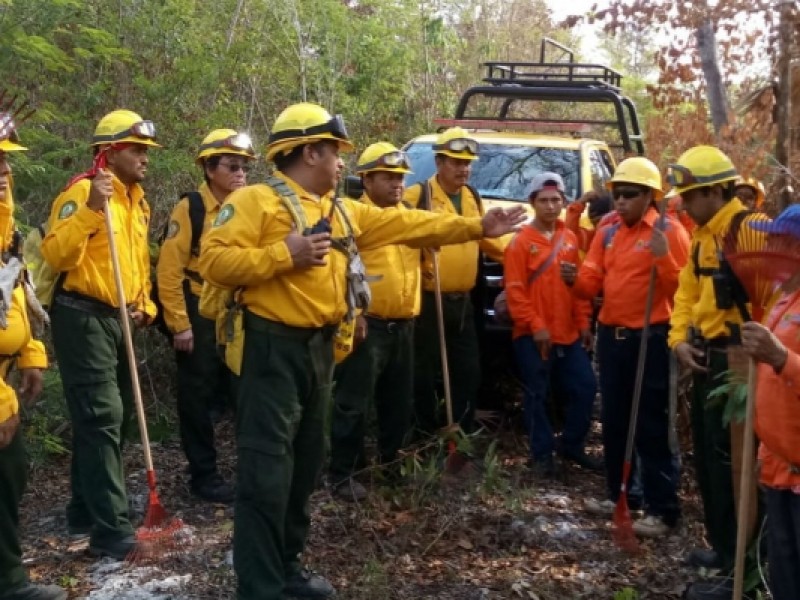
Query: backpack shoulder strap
point(197, 217)
point(609, 233)
point(736, 222)
point(424, 201)
point(290, 201)
point(478, 200)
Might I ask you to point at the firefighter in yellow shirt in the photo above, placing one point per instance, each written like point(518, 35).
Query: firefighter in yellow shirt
point(290, 247)
point(87, 333)
point(448, 192)
point(16, 343)
point(381, 368)
point(704, 326)
point(203, 378)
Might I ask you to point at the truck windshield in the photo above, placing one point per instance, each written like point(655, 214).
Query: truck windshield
point(503, 171)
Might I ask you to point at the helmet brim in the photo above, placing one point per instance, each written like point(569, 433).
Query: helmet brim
point(457, 155)
point(285, 146)
point(9, 146)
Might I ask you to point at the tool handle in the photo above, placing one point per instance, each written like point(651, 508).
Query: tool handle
point(745, 484)
point(442, 344)
point(125, 320)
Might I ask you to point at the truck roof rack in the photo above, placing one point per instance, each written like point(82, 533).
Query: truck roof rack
point(511, 83)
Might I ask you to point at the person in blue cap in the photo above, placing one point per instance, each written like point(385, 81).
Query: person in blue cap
point(775, 347)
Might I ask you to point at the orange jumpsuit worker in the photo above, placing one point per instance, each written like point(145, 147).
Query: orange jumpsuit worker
point(551, 328)
point(619, 262)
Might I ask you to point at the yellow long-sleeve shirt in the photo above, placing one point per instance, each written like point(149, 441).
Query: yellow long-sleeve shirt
point(77, 242)
point(396, 294)
point(176, 257)
point(458, 264)
point(15, 340)
point(695, 302)
point(246, 248)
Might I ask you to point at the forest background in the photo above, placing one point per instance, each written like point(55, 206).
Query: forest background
point(389, 66)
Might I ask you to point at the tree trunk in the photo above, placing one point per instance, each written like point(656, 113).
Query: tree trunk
point(783, 144)
point(707, 48)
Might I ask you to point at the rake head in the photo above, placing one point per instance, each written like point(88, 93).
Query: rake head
point(160, 535)
point(11, 117)
point(761, 262)
point(622, 532)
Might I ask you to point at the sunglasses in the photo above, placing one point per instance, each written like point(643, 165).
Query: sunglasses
point(335, 127)
point(627, 193)
point(458, 145)
point(240, 142)
point(678, 176)
point(236, 167)
point(390, 159)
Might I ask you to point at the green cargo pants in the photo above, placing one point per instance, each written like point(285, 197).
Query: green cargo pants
point(713, 459)
point(13, 476)
point(284, 392)
point(463, 359)
point(202, 379)
point(97, 386)
point(381, 369)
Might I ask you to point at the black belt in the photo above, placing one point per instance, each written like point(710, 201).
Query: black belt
point(86, 304)
point(722, 341)
point(388, 325)
point(451, 296)
point(624, 333)
point(260, 324)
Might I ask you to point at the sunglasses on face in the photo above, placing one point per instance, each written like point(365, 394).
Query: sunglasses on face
point(627, 193)
point(458, 145)
point(235, 167)
point(240, 142)
point(391, 159)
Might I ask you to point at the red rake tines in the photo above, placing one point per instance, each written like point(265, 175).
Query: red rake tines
point(622, 532)
point(160, 535)
point(11, 118)
point(761, 263)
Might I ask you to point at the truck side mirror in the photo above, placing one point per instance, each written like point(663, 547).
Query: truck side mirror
point(353, 187)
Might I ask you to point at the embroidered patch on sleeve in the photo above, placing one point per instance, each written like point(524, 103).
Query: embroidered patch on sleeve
point(70, 206)
point(225, 215)
point(173, 229)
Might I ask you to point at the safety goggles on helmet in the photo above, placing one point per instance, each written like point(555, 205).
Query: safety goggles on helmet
point(145, 130)
point(681, 177)
point(240, 142)
point(458, 145)
point(335, 127)
point(390, 159)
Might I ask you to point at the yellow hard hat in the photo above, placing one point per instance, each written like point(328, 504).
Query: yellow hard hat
point(383, 156)
point(9, 139)
point(456, 143)
point(124, 126)
point(756, 186)
point(639, 171)
point(306, 123)
point(225, 141)
point(699, 167)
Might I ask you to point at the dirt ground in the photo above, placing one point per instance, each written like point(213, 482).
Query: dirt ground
point(503, 535)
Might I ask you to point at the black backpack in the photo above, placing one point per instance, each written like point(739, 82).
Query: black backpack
point(197, 217)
